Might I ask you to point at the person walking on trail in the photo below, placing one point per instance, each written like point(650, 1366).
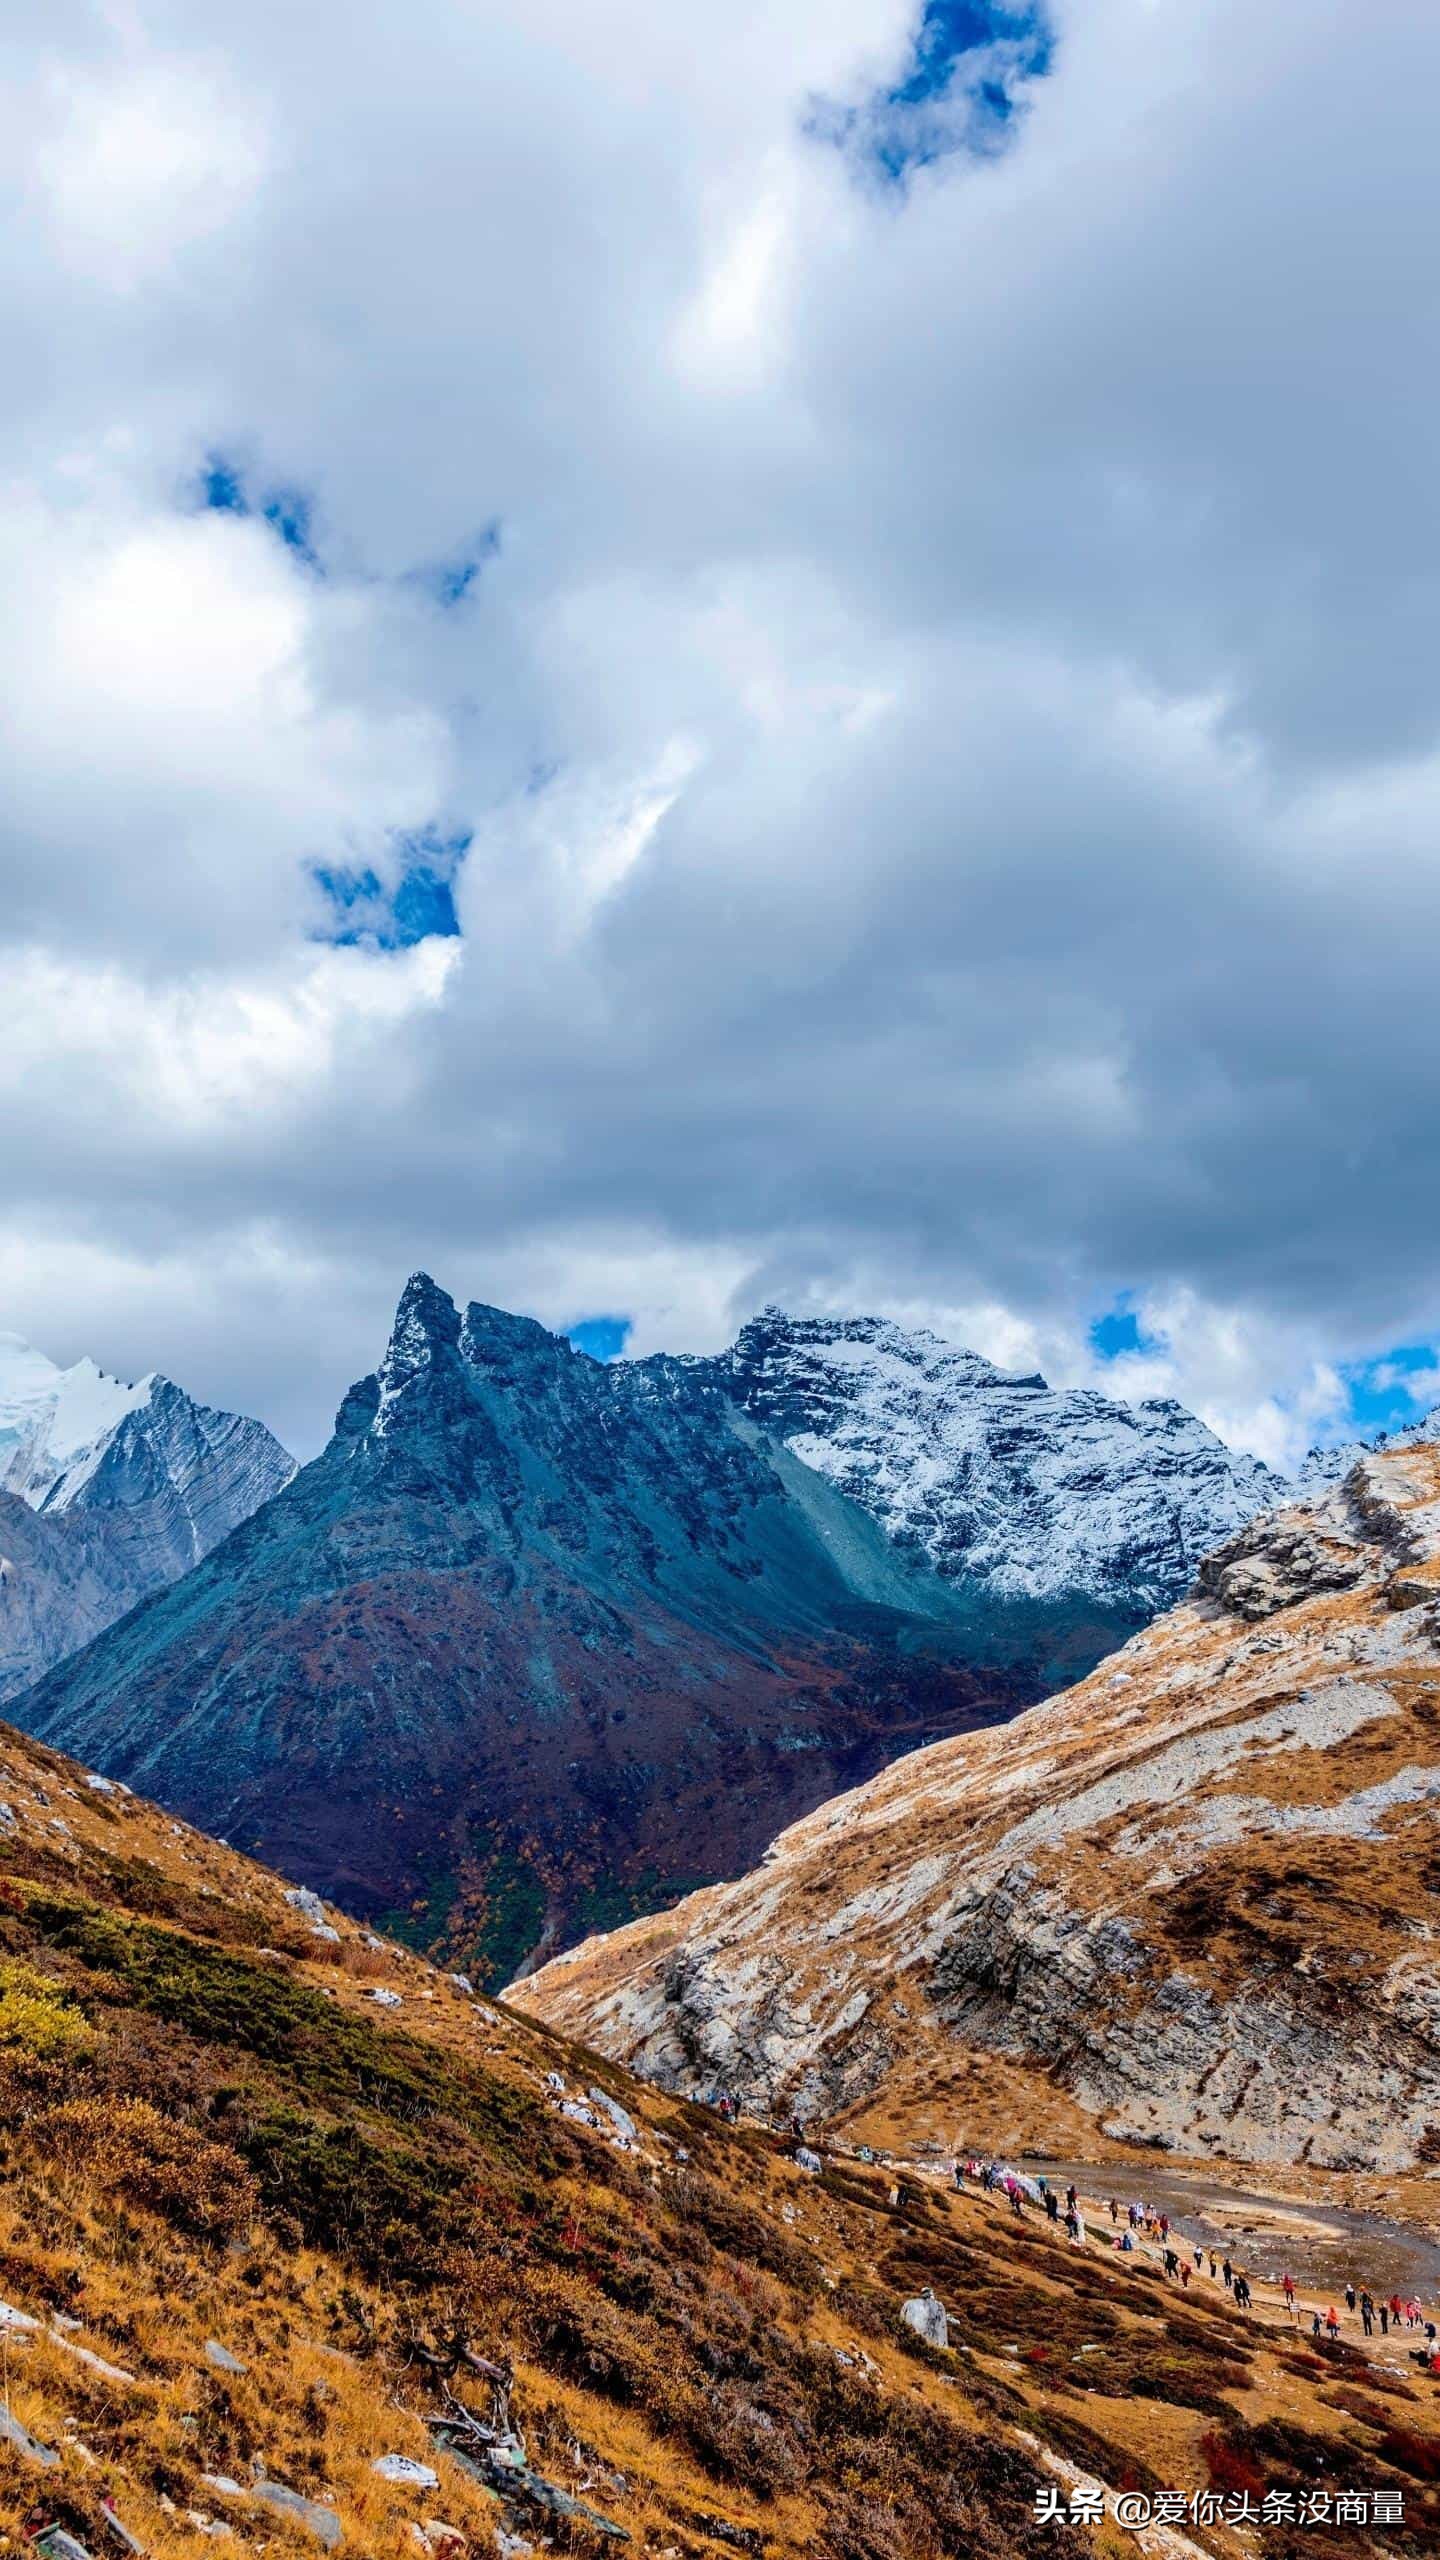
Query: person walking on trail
point(1384, 2319)
point(1314, 2324)
point(1228, 2273)
point(1114, 2213)
point(1349, 2297)
point(1199, 2257)
point(1367, 2315)
point(1242, 2292)
point(1052, 2204)
point(1395, 2309)
point(1071, 2198)
point(1287, 2287)
point(1332, 2323)
point(1214, 2270)
point(1184, 2273)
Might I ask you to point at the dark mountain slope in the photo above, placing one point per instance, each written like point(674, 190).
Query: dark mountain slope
point(533, 1643)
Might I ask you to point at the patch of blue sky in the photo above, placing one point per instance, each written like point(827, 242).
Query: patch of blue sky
point(1118, 1330)
point(417, 902)
point(451, 581)
point(970, 64)
point(1393, 1391)
point(602, 1337)
point(224, 490)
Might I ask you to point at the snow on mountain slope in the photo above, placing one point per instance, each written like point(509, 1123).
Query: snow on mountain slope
point(134, 1482)
point(78, 1436)
point(536, 1637)
point(54, 1423)
point(1029, 1490)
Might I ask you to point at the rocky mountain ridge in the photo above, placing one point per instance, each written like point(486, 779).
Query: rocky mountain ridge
point(1193, 1901)
point(1014, 1487)
point(129, 1485)
point(538, 1641)
point(534, 1637)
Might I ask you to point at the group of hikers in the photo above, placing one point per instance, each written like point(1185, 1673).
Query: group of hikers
point(1182, 2260)
point(993, 2178)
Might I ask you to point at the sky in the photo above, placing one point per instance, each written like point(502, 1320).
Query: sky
point(658, 674)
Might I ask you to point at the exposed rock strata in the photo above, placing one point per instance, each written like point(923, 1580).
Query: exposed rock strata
point(1199, 1893)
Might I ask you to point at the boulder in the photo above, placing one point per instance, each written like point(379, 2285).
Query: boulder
point(926, 2316)
point(311, 2517)
point(405, 2472)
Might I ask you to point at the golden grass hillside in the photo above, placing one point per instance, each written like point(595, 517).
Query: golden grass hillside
point(279, 2203)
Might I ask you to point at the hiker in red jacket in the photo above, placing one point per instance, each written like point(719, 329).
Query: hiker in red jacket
point(1332, 2321)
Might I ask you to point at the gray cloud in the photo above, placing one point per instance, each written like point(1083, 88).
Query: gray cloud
point(949, 731)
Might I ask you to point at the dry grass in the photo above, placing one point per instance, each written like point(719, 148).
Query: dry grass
point(229, 2140)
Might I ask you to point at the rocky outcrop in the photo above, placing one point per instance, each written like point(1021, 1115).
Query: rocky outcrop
point(1195, 1898)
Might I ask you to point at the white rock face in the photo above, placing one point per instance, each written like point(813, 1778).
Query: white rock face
point(1030, 1491)
point(130, 1485)
point(1195, 1894)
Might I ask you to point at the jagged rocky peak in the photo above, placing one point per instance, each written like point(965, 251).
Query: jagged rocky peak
point(999, 1478)
point(425, 1331)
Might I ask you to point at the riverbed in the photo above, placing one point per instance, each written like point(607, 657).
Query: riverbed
point(1322, 2246)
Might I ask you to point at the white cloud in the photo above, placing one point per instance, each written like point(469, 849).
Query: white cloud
point(950, 733)
point(139, 160)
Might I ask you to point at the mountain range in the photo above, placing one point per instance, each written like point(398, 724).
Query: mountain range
point(538, 1642)
point(108, 1490)
point(1191, 1902)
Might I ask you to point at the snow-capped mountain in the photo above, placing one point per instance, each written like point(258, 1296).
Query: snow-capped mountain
point(133, 1482)
point(537, 1638)
point(1023, 1490)
point(55, 1424)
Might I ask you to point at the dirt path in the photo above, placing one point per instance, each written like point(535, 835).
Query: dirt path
point(1262, 2238)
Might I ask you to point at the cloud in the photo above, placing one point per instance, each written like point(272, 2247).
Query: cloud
point(947, 740)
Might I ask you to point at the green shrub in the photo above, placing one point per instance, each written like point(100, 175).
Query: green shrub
point(37, 2017)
